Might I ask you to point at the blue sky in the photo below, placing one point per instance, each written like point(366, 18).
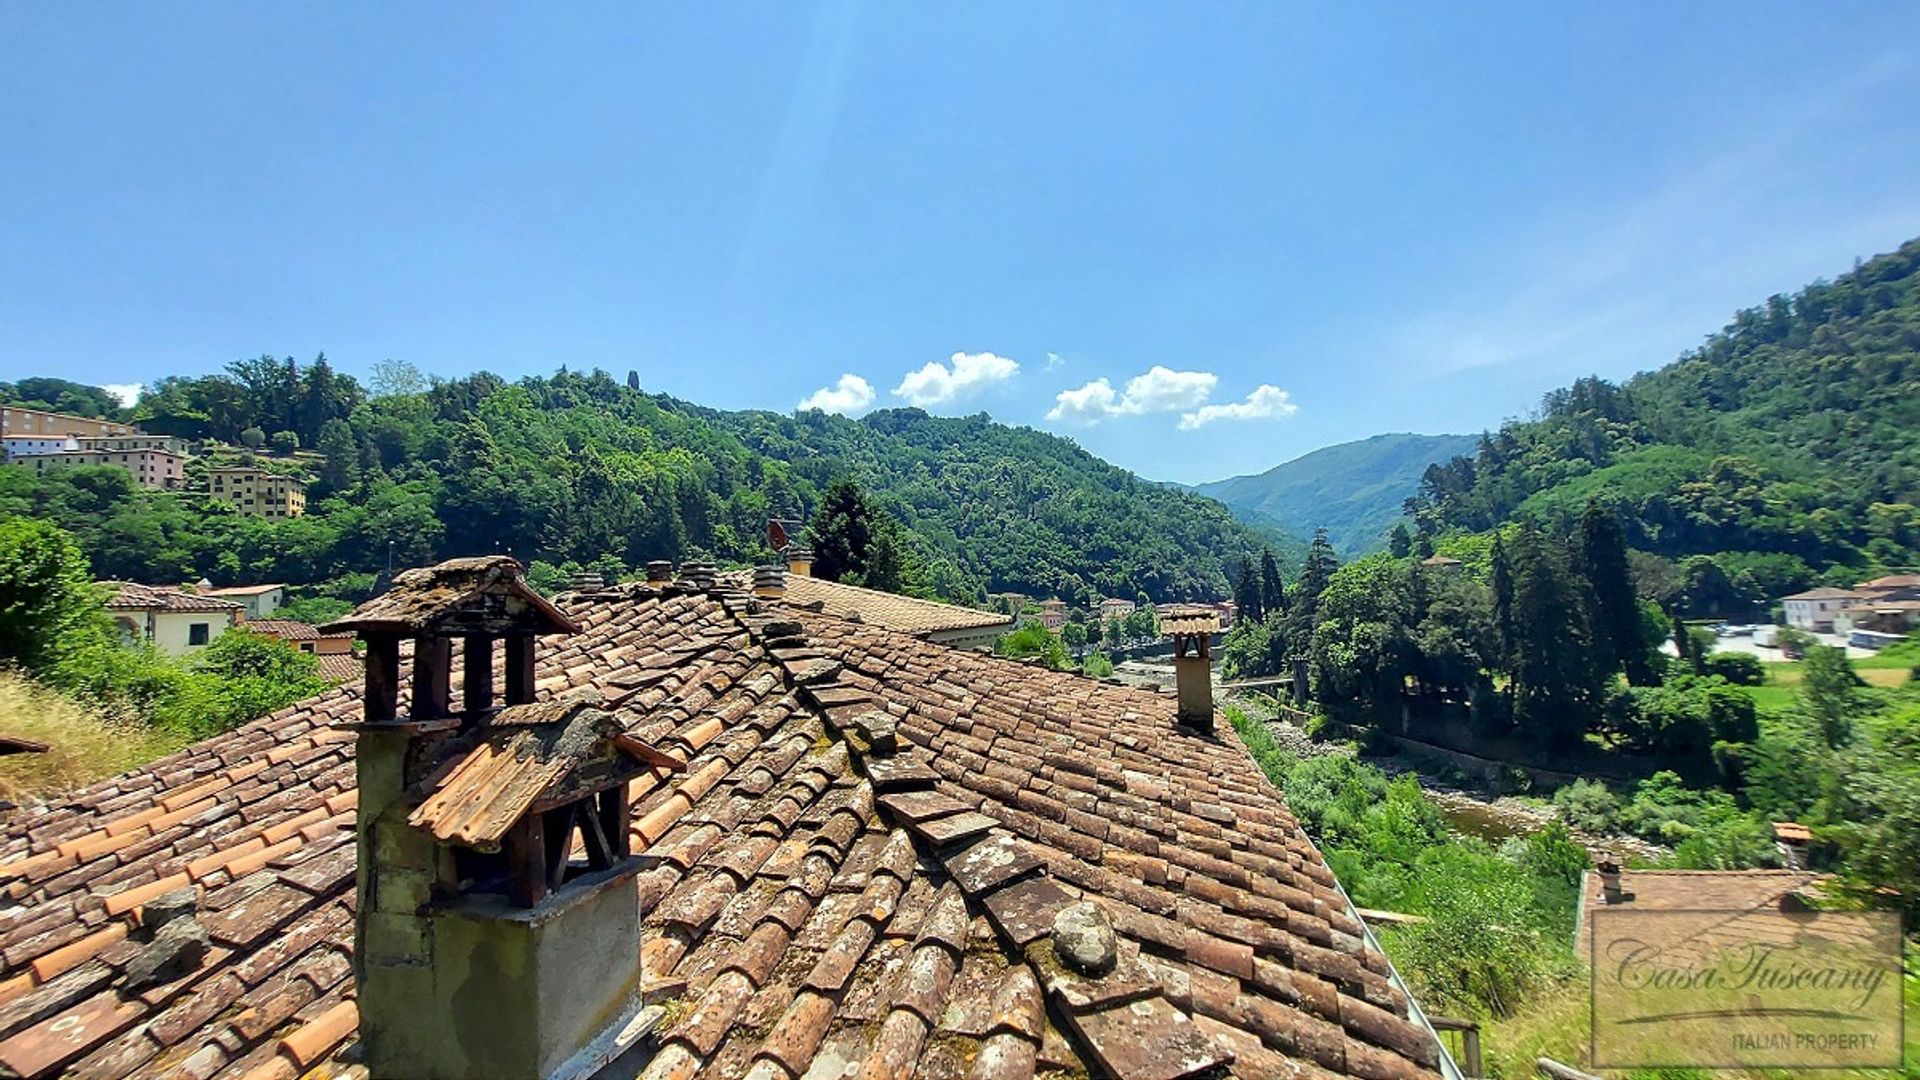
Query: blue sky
point(1267, 228)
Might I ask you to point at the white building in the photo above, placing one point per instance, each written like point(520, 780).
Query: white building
point(28, 445)
point(177, 622)
point(1115, 608)
point(1814, 609)
point(261, 601)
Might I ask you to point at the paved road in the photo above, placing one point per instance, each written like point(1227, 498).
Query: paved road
point(1744, 643)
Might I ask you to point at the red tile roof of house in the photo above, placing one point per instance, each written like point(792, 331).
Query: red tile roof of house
point(290, 629)
point(340, 667)
point(129, 596)
point(244, 590)
point(904, 613)
point(811, 898)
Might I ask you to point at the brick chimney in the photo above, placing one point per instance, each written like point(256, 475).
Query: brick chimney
point(800, 561)
point(1192, 628)
point(481, 947)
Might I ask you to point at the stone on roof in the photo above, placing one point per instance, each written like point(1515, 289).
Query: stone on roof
point(810, 900)
point(480, 593)
point(130, 596)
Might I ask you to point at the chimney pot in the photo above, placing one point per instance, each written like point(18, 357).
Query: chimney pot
point(770, 582)
point(659, 572)
point(1192, 629)
point(800, 562)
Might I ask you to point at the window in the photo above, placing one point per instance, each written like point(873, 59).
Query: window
point(306, 648)
point(197, 633)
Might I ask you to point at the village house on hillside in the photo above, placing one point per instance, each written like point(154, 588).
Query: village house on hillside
point(943, 624)
point(679, 829)
point(254, 490)
point(19, 422)
point(175, 621)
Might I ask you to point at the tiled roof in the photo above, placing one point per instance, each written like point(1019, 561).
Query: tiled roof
point(340, 667)
point(1824, 592)
point(1717, 890)
point(244, 590)
point(128, 596)
point(813, 902)
point(290, 629)
point(904, 613)
point(1892, 581)
point(1189, 619)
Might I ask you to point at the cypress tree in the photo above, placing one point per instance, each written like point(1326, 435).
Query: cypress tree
point(1603, 551)
point(1399, 541)
point(1273, 592)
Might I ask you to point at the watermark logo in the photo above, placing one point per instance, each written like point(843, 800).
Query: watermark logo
point(1757, 988)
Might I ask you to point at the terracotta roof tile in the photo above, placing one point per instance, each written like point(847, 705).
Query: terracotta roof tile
point(822, 904)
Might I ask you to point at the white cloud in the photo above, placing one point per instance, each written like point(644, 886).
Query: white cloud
point(1161, 389)
point(128, 393)
point(1055, 360)
point(1266, 402)
point(850, 395)
point(1088, 405)
point(937, 384)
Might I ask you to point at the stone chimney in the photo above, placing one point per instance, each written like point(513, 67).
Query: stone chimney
point(1792, 840)
point(800, 561)
point(1192, 628)
point(659, 573)
point(481, 946)
point(702, 575)
point(586, 581)
point(770, 582)
point(1610, 891)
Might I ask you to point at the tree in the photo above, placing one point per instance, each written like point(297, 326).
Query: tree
point(1318, 569)
point(1830, 689)
point(48, 606)
point(253, 438)
point(1074, 635)
point(340, 465)
point(1246, 591)
point(284, 443)
point(633, 379)
point(1617, 623)
point(856, 542)
point(396, 378)
point(1400, 541)
point(1555, 683)
point(1273, 592)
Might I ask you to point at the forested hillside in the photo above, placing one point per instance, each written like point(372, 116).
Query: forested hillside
point(580, 468)
point(1354, 490)
point(1784, 447)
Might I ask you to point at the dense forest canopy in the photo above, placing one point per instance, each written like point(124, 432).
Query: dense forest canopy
point(587, 469)
point(1783, 447)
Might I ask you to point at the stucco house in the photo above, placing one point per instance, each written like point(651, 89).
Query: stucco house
point(1815, 608)
point(177, 622)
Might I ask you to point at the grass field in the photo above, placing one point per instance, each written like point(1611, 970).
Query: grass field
point(1783, 677)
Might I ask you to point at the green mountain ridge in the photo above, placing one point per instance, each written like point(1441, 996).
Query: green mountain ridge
point(1784, 451)
point(580, 468)
point(1354, 490)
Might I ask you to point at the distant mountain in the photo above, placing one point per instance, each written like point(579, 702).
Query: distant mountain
point(1784, 448)
point(1354, 490)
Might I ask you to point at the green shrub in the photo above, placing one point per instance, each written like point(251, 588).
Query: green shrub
point(1588, 805)
point(1740, 669)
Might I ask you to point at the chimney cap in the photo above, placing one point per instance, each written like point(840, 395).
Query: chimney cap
point(1189, 619)
point(432, 599)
